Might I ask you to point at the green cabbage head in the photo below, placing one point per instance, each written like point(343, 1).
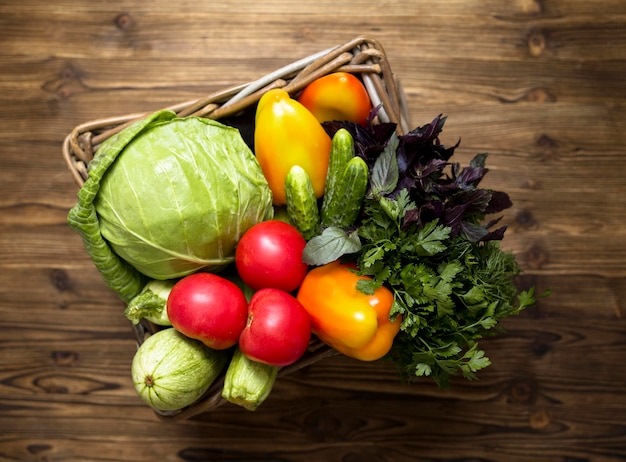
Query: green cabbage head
point(167, 197)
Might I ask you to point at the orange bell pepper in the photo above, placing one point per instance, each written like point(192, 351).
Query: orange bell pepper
point(337, 96)
point(287, 134)
point(351, 322)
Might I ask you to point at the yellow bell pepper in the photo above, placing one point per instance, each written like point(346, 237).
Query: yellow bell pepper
point(351, 322)
point(287, 134)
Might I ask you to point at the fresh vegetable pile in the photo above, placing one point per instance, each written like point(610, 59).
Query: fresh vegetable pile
point(331, 226)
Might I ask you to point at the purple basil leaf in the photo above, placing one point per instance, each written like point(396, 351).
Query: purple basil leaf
point(479, 160)
point(495, 235)
point(475, 200)
point(453, 217)
point(473, 232)
point(431, 210)
point(469, 177)
point(433, 166)
point(426, 133)
point(499, 202)
point(493, 222)
point(411, 217)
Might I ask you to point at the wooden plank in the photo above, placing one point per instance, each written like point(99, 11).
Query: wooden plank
point(76, 87)
point(158, 36)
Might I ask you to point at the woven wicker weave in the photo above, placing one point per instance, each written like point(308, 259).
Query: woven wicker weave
point(362, 56)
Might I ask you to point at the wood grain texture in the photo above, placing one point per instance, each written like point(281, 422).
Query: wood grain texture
point(539, 85)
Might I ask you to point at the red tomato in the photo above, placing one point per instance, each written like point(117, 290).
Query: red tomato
point(337, 96)
point(209, 308)
point(269, 254)
point(278, 329)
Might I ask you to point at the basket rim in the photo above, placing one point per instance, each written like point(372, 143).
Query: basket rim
point(362, 55)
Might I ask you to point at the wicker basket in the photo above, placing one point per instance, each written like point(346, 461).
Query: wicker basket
point(362, 56)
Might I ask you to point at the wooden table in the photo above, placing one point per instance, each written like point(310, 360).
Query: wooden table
point(538, 85)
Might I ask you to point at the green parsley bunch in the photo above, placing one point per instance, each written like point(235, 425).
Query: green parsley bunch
point(422, 233)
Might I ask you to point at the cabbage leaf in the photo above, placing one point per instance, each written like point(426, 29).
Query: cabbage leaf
point(167, 197)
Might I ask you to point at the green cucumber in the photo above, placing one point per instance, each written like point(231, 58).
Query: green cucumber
point(348, 195)
point(280, 213)
point(341, 151)
point(301, 202)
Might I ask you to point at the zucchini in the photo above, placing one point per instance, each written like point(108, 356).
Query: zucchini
point(171, 371)
point(341, 151)
point(248, 383)
point(301, 202)
point(348, 195)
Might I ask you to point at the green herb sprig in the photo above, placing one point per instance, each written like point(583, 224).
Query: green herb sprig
point(450, 293)
point(422, 234)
